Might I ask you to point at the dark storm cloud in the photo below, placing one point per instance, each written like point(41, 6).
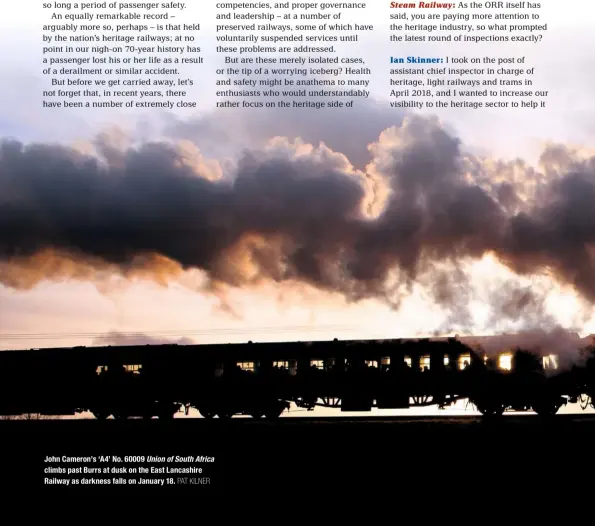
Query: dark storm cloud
point(296, 213)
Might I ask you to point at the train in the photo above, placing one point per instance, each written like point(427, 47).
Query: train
point(263, 380)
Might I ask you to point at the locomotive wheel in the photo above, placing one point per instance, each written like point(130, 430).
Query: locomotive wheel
point(100, 415)
point(273, 414)
point(491, 413)
point(207, 414)
point(546, 409)
point(492, 410)
point(256, 414)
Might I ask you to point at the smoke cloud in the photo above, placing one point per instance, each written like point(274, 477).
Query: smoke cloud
point(416, 212)
point(568, 346)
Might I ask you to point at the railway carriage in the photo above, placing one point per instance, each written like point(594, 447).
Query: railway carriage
point(263, 379)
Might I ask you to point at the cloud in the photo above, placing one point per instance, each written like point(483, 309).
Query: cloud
point(290, 212)
point(347, 130)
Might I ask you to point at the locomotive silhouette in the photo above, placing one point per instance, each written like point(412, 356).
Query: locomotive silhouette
point(263, 379)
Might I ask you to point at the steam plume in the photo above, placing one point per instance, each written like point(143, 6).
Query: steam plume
point(297, 213)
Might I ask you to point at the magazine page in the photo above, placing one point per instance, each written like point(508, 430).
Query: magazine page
point(258, 245)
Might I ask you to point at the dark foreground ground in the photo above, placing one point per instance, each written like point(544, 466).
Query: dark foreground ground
point(307, 457)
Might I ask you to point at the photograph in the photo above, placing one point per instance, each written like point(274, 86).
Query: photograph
point(296, 247)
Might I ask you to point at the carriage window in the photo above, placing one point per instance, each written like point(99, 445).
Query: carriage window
point(281, 365)
point(464, 361)
point(319, 364)
point(246, 366)
point(550, 362)
point(133, 368)
point(424, 363)
point(446, 361)
point(372, 363)
point(100, 369)
point(505, 361)
point(293, 367)
point(385, 360)
point(408, 361)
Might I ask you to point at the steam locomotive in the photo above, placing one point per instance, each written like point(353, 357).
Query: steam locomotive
point(263, 379)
